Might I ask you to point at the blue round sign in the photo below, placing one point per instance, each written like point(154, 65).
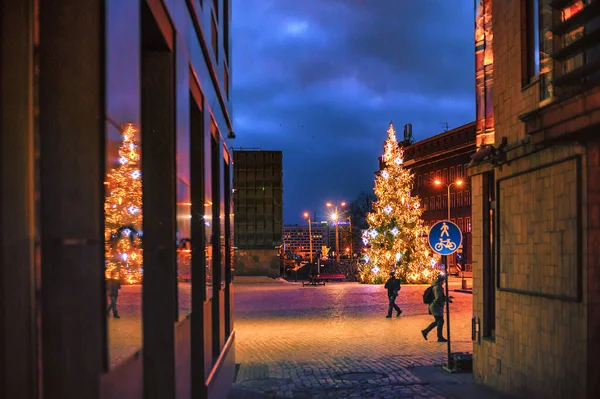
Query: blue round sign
point(445, 237)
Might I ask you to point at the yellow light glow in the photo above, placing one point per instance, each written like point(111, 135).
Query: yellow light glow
point(459, 182)
point(438, 182)
point(305, 214)
point(123, 213)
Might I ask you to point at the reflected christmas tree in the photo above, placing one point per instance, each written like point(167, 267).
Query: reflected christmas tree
point(396, 239)
point(123, 212)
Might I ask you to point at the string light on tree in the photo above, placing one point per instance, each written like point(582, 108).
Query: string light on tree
point(123, 212)
point(396, 239)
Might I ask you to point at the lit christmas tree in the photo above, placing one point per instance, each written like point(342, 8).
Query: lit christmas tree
point(123, 212)
point(396, 239)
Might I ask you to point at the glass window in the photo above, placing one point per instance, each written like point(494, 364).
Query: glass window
point(531, 52)
point(468, 225)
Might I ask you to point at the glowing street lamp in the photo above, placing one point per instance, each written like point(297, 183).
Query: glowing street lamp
point(439, 183)
point(307, 216)
point(335, 216)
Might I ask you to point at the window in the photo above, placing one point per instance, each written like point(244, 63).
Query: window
point(215, 38)
point(444, 202)
point(420, 181)
point(226, 28)
point(489, 267)
point(467, 198)
point(459, 171)
point(468, 225)
point(226, 80)
point(438, 202)
point(452, 200)
point(426, 203)
point(459, 199)
point(452, 174)
point(530, 39)
point(460, 224)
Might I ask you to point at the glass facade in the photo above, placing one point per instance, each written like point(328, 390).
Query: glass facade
point(122, 203)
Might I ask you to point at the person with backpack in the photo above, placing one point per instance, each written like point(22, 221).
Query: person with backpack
point(436, 299)
point(393, 288)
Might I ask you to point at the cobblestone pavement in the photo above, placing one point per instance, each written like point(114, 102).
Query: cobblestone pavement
point(334, 341)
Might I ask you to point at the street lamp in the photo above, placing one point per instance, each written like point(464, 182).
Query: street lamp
point(335, 216)
point(307, 216)
point(458, 183)
point(439, 183)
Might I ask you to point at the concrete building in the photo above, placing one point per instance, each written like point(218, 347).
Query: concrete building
point(73, 74)
point(536, 198)
point(296, 239)
point(258, 209)
point(444, 157)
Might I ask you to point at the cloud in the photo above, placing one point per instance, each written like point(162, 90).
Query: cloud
point(321, 79)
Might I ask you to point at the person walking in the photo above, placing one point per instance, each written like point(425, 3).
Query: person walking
point(436, 299)
point(113, 286)
point(393, 288)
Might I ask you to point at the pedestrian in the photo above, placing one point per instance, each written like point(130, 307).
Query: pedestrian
point(436, 299)
point(393, 288)
point(113, 285)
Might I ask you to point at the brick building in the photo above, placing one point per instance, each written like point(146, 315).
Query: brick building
point(536, 198)
point(258, 210)
point(444, 157)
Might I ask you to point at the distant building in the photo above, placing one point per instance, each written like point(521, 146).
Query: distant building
point(444, 157)
point(258, 211)
point(536, 198)
point(296, 239)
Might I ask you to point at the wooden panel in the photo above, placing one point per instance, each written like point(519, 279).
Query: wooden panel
point(124, 381)
point(183, 359)
point(208, 335)
point(72, 90)
point(18, 347)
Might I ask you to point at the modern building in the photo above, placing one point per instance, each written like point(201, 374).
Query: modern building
point(79, 80)
point(258, 209)
point(536, 198)
point(296, 239)
point(444, 158)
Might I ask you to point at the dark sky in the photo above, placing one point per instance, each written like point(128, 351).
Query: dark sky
point(321, 80)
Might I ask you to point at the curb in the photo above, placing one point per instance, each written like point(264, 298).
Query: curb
point(464, 291)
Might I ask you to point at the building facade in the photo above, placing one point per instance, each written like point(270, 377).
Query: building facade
point(258, 209)
point(445, 157)
point(113, 162)
point(296, 239)
point(536, 198)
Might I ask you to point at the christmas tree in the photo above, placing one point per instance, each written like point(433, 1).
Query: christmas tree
point(123, 212)
point(396, 239)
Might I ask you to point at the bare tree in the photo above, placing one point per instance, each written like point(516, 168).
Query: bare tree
point(359, 209)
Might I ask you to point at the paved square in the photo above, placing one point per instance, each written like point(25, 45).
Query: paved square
point(335, 342)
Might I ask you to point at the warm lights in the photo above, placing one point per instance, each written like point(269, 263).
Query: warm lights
point(123, 213)
point(396, 239)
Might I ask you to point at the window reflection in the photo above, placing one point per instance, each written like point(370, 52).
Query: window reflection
point(123, 223)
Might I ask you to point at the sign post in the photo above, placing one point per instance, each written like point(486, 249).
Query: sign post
point(445, 238)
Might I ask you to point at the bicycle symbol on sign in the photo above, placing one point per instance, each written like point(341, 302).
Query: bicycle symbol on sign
point(447, 243)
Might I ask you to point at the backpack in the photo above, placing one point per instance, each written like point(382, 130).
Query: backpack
point(428, 295)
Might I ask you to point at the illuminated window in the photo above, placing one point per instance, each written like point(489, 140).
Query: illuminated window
point(468, 225)
point(459, 171)
point(530, 39)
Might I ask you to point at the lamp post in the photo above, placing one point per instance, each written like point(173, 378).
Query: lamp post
point(458, 183)
point(306, 215)
point(335, 216)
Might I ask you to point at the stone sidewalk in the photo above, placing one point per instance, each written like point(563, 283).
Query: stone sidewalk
point(334, 342)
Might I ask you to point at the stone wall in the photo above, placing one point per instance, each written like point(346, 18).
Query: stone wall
point(257, 262)
point(540, 345)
